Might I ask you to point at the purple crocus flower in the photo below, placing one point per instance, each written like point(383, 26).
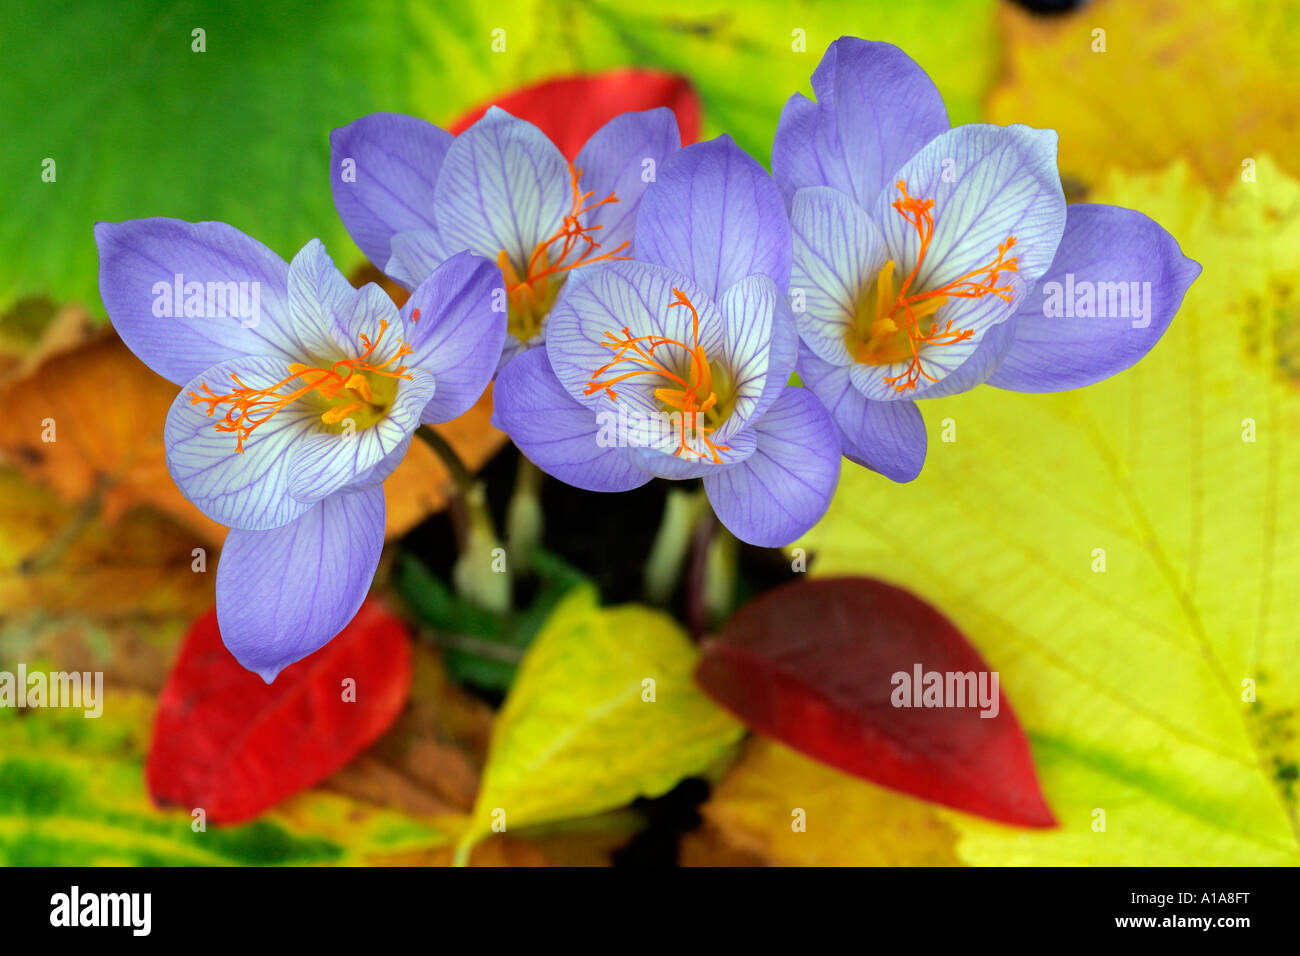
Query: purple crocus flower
point(299, 396)
point(676, 365)
point(412, 195)
point(928, 260)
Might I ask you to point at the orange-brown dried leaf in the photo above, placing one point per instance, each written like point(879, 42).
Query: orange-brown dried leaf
point(108, 411)
point(143, 565)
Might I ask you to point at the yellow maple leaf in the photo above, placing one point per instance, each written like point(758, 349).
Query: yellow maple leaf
point(1127, 556)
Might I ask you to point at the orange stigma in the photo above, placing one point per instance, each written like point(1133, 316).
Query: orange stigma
point(693, 395)
point(251, 407)
point(532, 295)
point(887, 325)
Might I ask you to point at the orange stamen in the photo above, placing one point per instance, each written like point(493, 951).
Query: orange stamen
point(548, 260)
point(251, 407)
point(693, 398)
point(973, 285)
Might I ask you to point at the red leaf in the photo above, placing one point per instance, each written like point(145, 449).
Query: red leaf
point(227, 742)
point(811, 664)
point(571, 108)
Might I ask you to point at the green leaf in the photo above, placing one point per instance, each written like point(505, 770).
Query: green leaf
point(72, 793)
point(747, 58)
point(1134, 682)
point(579, 733)
point(139, 124)
point(479, 646)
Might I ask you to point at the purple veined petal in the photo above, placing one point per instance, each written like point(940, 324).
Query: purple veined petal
point(938, 362)
point(383, 168)
point(636, 296)
point(336, 321)
point(782, 355)
point(1117, 258)
point(805, 152)
point(185, 296)
point(563, 438)
point(887, 437)
point(503, 187)
point(326, 461)
point(614, 161)
point(749, 317)
point(249, 490)
point(459, 334)
point(378, 473)
point(286, 592)
point(982, 362)
point(715, 215)
point(876, 108)
point(783, 489)
point(988, 183)
point(414, 255)
point(838, 252)
point(513, 347)
point(658, 453)
point(329, 316)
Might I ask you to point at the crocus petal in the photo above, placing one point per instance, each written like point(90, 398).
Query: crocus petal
point(1101, 245)
point(838, 252)
point(284, 593)
point(142, 260)
point(503, 186)
point(781, 490)
point(329, 315)
point(876, 108)
point(663, 458)
point(378, 473)
point(716, 216)
point(326, 461)
point(749, 317)
point(982, 362)
point(458, 336)
point(249, 490)
point(632, 295)
point(559, 435)
point(987, 183)
point(415, 254)
point(383, 170)
point(782, 356)
point(614, 161)
point(887, 437)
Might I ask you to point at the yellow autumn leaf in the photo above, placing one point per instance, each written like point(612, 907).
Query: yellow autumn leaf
point(603, 710)
point(793, 811)
point(1127, 557)
point(1136, 84)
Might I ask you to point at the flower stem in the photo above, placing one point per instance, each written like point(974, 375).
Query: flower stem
point(697, 611)
point(524, 519)
point(460, 475)
point(714, 574)
point(480, 574)
point(663, 568)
